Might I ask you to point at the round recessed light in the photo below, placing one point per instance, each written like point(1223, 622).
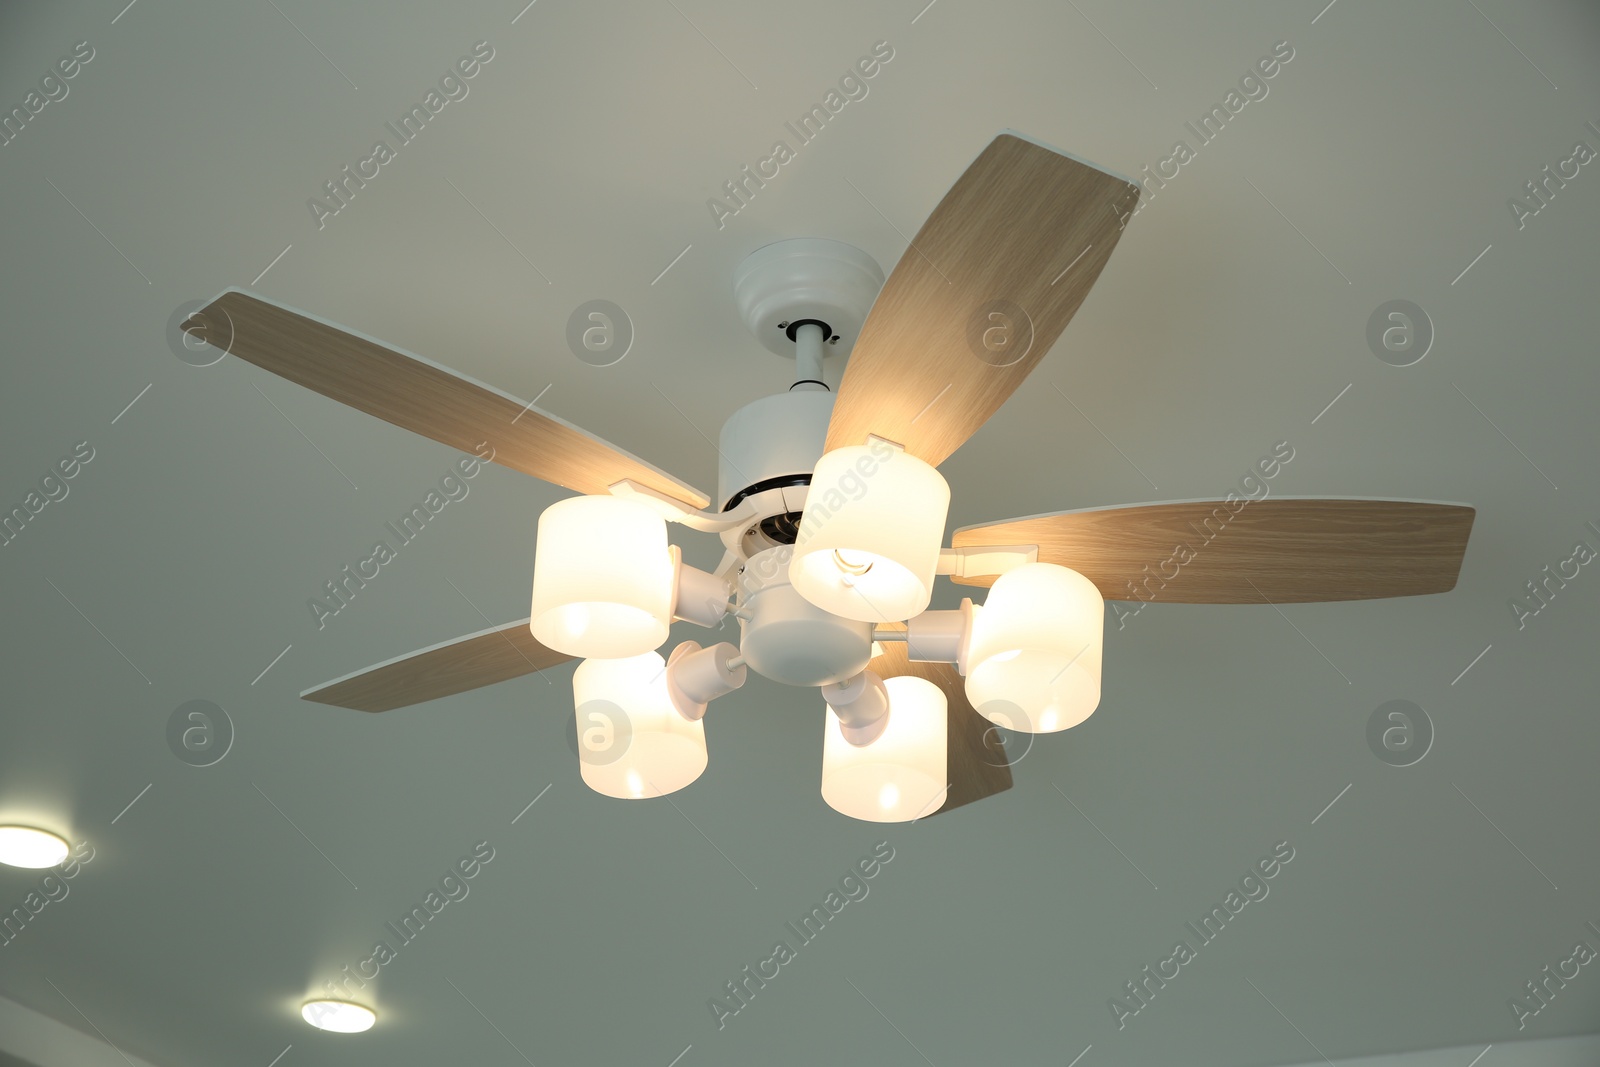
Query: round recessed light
point(338, 1016)
point(24, 846)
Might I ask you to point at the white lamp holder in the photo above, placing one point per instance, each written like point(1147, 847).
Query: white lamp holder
point(697, 596)
point(942, 636)
point(862, 705)
point(696, 676)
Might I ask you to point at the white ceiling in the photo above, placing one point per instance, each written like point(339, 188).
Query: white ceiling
point(179, 566)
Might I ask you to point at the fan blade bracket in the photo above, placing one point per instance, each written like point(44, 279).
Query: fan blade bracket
point(971, 561)
point(674, 510)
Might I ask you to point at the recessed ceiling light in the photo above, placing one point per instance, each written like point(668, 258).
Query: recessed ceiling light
point(338, 1016)
point(24, 846)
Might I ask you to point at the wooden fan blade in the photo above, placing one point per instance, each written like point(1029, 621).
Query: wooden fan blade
point(976, 759)
point(986, 287)
point(418, 395)
point(441, 670)
point(1281, 550)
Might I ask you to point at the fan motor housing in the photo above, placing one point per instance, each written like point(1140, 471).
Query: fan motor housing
point(768, 449)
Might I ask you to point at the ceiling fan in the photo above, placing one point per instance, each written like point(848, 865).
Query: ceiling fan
point(832, 513)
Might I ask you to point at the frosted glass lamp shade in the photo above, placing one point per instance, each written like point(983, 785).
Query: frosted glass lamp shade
point(869, 540)
point(1033, 658)
point(602, 578)
point(632, 742)
point(901, 775)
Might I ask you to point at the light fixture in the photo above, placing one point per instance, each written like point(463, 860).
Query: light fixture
point(602, 578)
point(338, 1016)
point(932, 358)
point(869, 539)
point(632, 741)
point(25, 846)
point(899, 775)
point(1034, 649)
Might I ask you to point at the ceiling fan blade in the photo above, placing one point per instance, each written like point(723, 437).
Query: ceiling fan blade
point(420, 396)
point(1022, 235)
point(455, 666)
point(1281, 550)
point(976, 759)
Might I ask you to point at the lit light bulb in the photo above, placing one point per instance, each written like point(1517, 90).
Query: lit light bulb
point(849, 565)
point(888, 796)
point(869, 540)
